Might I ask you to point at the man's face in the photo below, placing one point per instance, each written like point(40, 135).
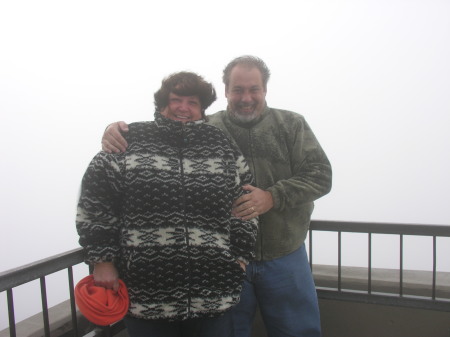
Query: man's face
point(245, 93)
point(183, 108)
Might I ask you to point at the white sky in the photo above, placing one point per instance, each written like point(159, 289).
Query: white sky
point(372, 78)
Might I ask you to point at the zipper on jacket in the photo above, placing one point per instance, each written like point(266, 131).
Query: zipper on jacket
point(186, 228)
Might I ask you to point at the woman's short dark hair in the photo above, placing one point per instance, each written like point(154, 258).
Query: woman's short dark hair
point(250, 61)
point(185, 83)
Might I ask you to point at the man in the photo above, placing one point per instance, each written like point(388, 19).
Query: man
point(291, 171)
point(159, 217)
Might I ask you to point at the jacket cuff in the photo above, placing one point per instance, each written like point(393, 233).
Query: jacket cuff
point(275, 197)
point(100, 254)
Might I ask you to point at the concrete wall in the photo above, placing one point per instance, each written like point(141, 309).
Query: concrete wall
point(349, 319)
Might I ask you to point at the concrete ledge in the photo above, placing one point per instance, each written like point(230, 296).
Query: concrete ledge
point(349, 319)
point(415, 282)
point(60, 323)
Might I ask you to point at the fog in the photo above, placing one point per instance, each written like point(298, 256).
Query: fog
point(371, 77)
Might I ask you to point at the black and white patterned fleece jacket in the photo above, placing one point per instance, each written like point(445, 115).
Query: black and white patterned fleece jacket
point(161, 212)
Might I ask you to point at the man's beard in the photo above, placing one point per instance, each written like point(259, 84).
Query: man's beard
point(245, 117)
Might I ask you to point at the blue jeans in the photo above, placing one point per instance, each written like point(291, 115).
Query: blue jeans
point(197, 327)
point(285, 292)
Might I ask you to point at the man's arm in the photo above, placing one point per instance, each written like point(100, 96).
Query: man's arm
point(112, 140)
point(311, 171)
point(311, 178)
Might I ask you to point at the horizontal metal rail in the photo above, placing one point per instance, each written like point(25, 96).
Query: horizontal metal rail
point(34, 271)
point(381, 228)
point(368, 296)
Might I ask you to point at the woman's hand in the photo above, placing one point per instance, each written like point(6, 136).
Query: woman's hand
point(106, 276)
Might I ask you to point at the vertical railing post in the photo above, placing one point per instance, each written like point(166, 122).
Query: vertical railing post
point(434, 268)
point(339, 260)
point(45, 307)
point(369, 276)
point(401, 266)
point(12, 319)
point(73, 309)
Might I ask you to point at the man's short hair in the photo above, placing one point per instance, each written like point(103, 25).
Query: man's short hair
point(250, 61)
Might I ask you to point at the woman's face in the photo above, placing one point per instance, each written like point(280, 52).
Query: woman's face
point(183, 108)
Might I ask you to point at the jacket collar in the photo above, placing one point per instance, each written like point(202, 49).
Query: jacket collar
point(165, 122)
point(176, 130)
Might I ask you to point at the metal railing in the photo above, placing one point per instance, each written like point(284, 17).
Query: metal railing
point(40, 269)
point(401, 230)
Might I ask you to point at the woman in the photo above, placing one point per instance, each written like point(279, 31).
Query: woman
point(159, 217)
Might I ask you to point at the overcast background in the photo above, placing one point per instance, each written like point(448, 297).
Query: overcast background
point(372, 79)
